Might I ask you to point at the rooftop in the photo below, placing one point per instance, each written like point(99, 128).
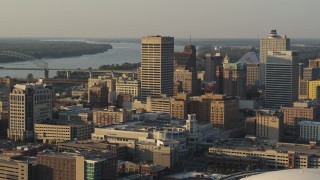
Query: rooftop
point(240, 144)
point(292, 174)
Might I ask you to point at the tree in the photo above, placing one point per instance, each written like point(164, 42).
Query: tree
point(30, 76)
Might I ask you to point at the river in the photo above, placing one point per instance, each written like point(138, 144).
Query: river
point(120, 53)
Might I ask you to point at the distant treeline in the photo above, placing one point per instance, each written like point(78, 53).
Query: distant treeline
point(49, 49)
point(124, 66)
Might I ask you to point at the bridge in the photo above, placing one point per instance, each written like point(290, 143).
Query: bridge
point(90, 71)
point(43, 66)
point(51, 81)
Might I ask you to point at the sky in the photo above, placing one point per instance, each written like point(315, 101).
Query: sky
point(177, 18)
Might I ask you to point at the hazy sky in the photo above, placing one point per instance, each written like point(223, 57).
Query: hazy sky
point(178, 18)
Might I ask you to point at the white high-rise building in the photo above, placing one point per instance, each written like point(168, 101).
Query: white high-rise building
point(273, 42)
point(29, 104)
point(282, 78)
point(157, 63)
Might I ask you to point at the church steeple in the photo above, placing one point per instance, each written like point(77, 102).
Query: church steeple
point(226, 59)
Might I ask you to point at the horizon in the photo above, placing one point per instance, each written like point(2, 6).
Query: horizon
point(179, 18)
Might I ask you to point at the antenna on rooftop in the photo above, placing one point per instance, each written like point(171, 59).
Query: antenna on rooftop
point(190, 38)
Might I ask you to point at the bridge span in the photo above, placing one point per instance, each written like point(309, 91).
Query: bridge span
point(52, 80)
point(68, 71)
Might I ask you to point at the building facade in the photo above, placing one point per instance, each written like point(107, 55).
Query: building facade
point(128, 86)
point(185, 71)
point(233, 80)
point(269, 126)
point(15, 169)
point(282, 77)
point(157, 65)
point(110, 116)
point(29, 104)
point(224, 112)
point(60, 132)
point(98, 95)
point(309, 130)
point(273, 42)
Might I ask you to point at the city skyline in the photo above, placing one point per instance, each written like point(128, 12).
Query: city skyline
point(205, 19)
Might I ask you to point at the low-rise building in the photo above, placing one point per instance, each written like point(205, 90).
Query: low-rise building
point(16, 168)
point(128, 86)
point(269, 125)
point(159, 104)
point(110, 116)
point(79, 91)
point(309, 130)
point(98, 95)
point(60, 131)
point(76, 113)
point(274, 155)
point(224, 111)
point(76, 166)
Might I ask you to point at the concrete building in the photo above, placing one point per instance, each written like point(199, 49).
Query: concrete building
point(253, 75)
point(185, 81)
point(250, 125)
point(110, 116)
point(273, 42)
point(211, 64)
point(108, 81)
point(312, 72)
point(128, 86)
point(269, 126)
point(301, 110)
point(16, 168)
point(76, 113)
point(93, 165)
point(159, 104)
point(157, 65)
point(79, 91)
point(253, 67)
point(201, 106)
point(60, 131)
point(185, 71)
point(29, 104)
point(224, 112)
point(313, 90)
point(179, 106)
point(98, 96)
point(281, 85)
point(303, 89)
point(233, 80)
point(309, 130)
point(273, 155)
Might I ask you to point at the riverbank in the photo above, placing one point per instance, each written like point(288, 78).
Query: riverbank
point(49, 49)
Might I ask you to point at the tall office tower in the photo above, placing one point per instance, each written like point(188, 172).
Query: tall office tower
point(29, 104)
point(232, 80)
point(157, 66)
point(185, 71)
point(211, 64)
point(282, 78)
point(274, 42)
